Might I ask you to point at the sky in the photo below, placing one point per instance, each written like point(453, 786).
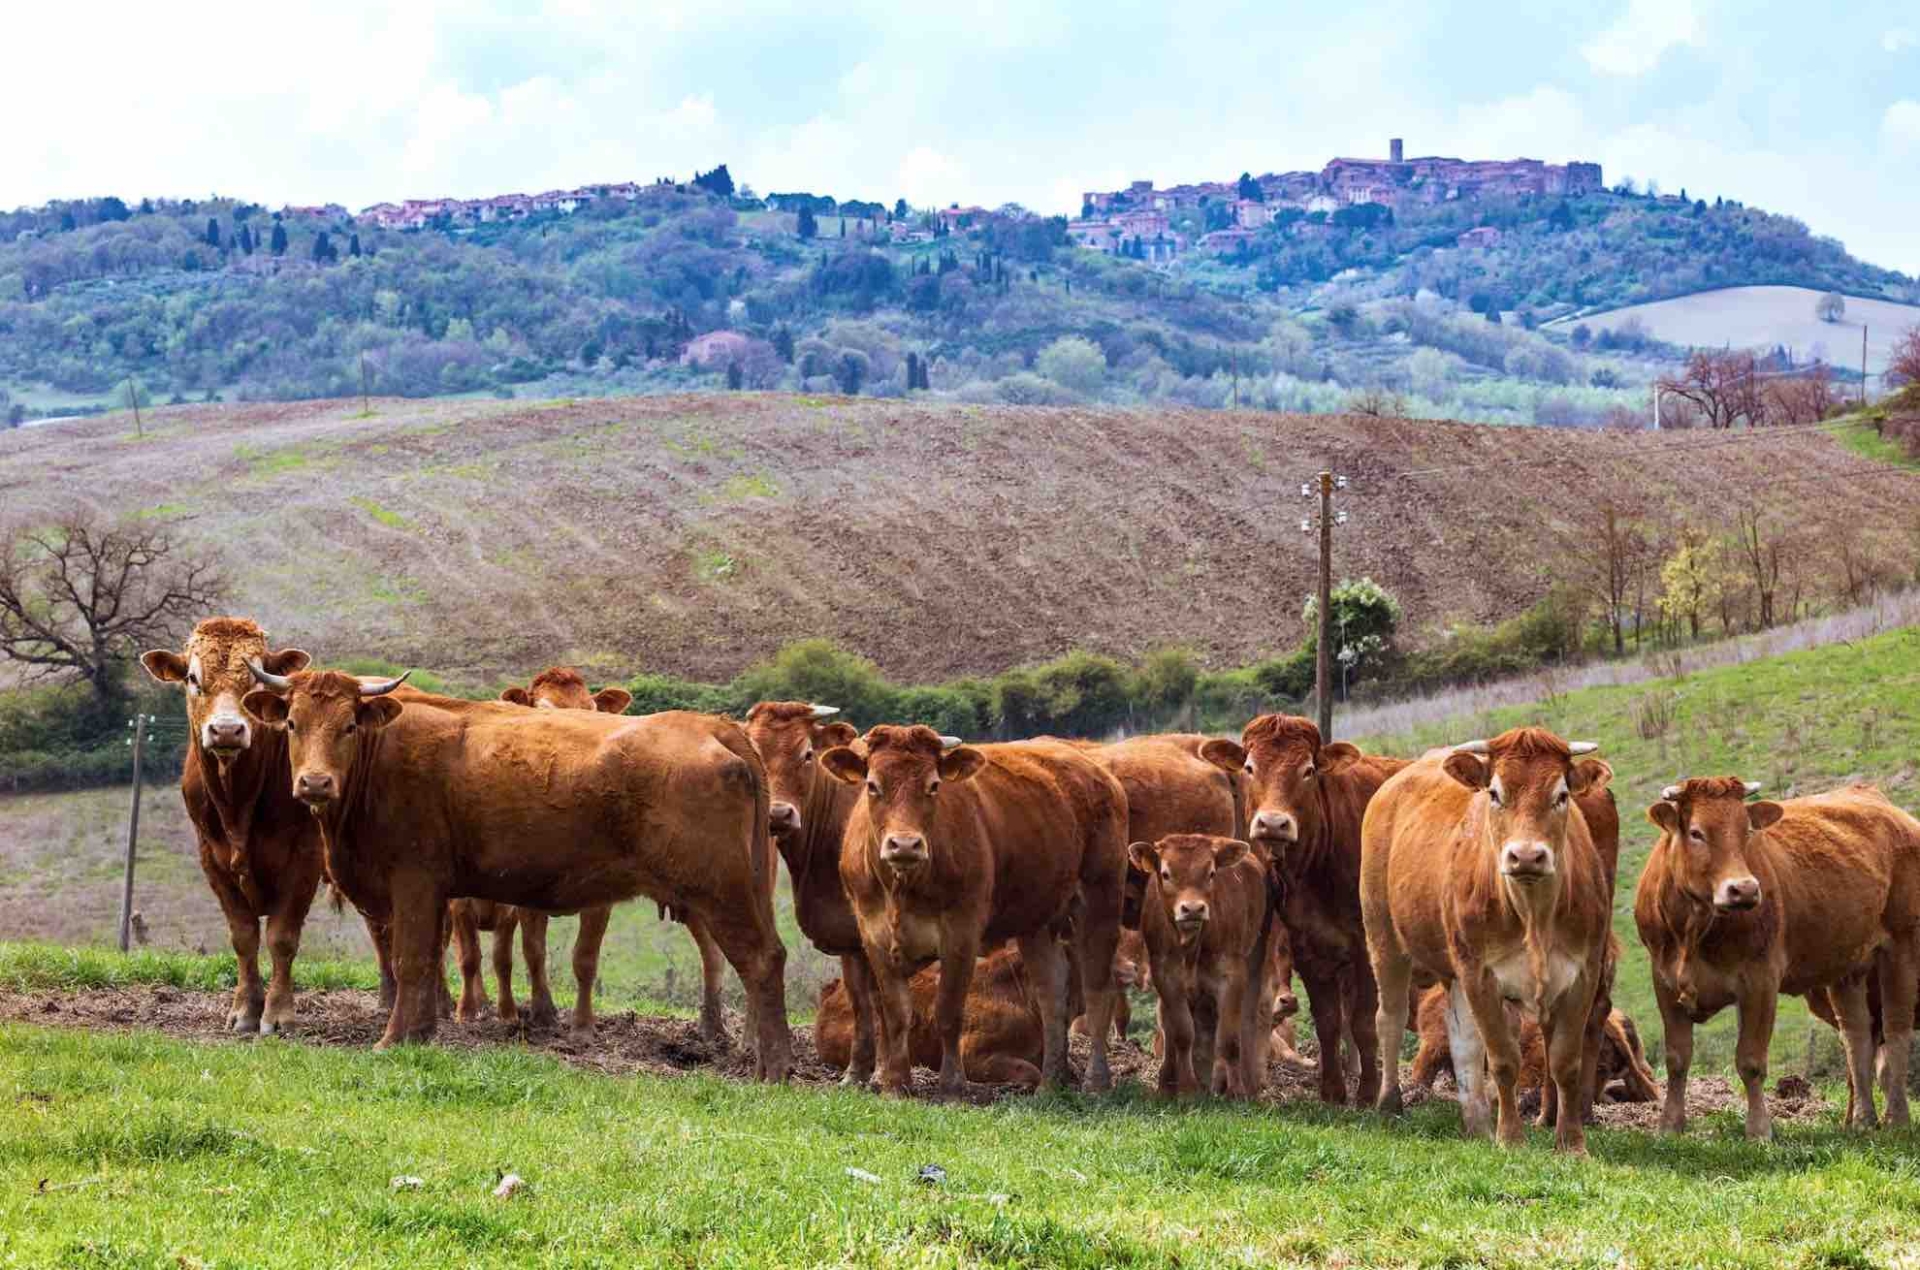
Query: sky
point(1809, 110)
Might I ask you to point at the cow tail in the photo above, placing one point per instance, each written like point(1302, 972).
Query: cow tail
point(760, 849)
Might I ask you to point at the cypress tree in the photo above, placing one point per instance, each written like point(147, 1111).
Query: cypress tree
point(808, 226)
point(213, 232)
point(278, 242)
point(353, 245)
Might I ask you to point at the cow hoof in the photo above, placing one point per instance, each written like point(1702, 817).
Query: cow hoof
point(243, 1024)
point(272, 1028)
point(580, 1035)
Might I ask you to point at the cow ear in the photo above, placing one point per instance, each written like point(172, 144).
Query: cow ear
point(1230, 853)
point(286, 661)
point(1144, 857)
point(268, 707)
point(1336, 756)
point(1761, 815)
point(517, 696)
point(378, 712)
point(839, 732)
point(1589, 776)
point(1226, 755)
point(844, 764)
point(1466, 768)
point(612, 700)
point(1665, 815)
point(167, 667)
point(961, 764)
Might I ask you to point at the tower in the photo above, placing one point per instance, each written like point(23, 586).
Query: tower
point(1398, 150)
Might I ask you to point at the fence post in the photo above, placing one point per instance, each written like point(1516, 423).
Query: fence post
point(133, 833)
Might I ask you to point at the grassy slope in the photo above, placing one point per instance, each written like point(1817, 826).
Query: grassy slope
point(159, 1152)
point(1762, 317)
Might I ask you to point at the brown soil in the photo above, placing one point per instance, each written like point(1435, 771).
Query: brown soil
point(694, 535)
point(627, 1043)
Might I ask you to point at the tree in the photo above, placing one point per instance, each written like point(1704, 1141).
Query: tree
point(736, 376)
point(913, 370)
point(808, 227)
point(719, 181)
point(1074, 363)
point(353, 246)
point(1722, 386)
point(213, 233)
point(278, 243)
point(246, 239)
point(1365, 617)
point(1689, 581)
point(900, 209)
point(1904, 367)
point(1830, 307)
point(82, 596)
point(323, 252)
point(1250, 188)
point(783, 342)
point(112, 209)
point(1606, 561)
point(1763, 550)
point(852, 371)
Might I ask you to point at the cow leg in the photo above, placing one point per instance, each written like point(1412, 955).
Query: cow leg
point(1097, 936)
point(1677, 1032)
point(1323, 999)
point(1047, 969)
point(1227, 1073)
point(533, 949)
point(586, 967)
point(1568, 1042)
point(1489, 1016)
point(505, 923)
point(1469, 1053)
point(381, 938)
point(418, 927)
point(1122, 1013)
point(1392, 977)
point(243, 928)
point(283, 945)
point(1750, 1054)
point(1361, 1002)
point(754, 951)
point(957, 955)
point(1856, 1033)
point(857, 977)
point(713, 968)
point(1899, 971)
point(466, 954)
point(894, 997)
point(1003, 1069)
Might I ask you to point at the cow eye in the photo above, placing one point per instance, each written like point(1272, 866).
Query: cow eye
point(1166, 874)
point(1493, 795)
point(1249, 767)
point(873, 789)
point(1560, 799)
point(351, 728)
point(934, 788)
point(1697, 834)
point(806, 755)
point(289, 723)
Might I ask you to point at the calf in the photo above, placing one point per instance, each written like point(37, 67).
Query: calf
point(1306, 800)
point(1001, 1036)
point(1740, 902)
point(552, 809)
point(953, 848)
point(1205, 921)
point(1477, 869)
point(1620, 1056)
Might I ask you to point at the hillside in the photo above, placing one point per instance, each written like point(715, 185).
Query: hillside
point(1766, 317)
point(696, 534)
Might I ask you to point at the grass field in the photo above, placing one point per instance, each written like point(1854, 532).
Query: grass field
point(1762, 317)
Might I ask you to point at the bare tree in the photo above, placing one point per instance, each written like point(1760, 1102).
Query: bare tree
point(1608, 557)
point(82, 595)
point(1764, 550)
point(1723, 386)
point(1808, 398)
point(1830, 307)
point(1905, 365)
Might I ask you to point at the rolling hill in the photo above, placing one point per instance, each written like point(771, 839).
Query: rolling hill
point(1766, 317)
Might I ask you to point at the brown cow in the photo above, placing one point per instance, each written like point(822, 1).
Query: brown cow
point(1740, 902)
point(808, 816)
point(259, 848)
point(1477, 868)
point(1621, 1056)
point(1001, 1036)
point(954, 848)
point(1306, 802)
point(1206, 923)
point(556, 688)
point(554, 810)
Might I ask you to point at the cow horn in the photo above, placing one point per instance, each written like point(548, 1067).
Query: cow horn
point(1577, 748)
point(951, 743)
point(266, 678)
point(384, 687)
point(1753, 787)
point(823, 712)
point(1471, 747)
point(1670, 793)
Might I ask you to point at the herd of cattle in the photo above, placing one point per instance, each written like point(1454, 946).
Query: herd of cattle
point(983, 898)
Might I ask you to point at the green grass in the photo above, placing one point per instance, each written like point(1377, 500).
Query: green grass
point(158, 1152)
point(391, 519)
point(1865, 440)
point(28, 967)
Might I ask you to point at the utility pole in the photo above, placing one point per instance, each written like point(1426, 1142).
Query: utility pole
point(1323, 486)
point(1863, 365)
point(139, 743)
point(133, 399)
point(365, 407)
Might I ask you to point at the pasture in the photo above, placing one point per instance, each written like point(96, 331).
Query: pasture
point(1761, 317)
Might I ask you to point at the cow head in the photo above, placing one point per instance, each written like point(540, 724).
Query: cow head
point(562, 688)
point(790, 735)
point(1284, 763)
point(1530, 779)
point(1708, 820)
point(213, 666)
point(326, 716)
point(903, 769)
point(1183, 867)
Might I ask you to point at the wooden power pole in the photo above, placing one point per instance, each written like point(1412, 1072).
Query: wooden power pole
point(133, 833)
point(1323, 486)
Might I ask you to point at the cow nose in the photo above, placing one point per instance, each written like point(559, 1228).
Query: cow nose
point(1275, 824)
point(314, 786)
point(1285, 1005)
point(1190, 911)
point(783, 818)
point(1527, 859)
point(903, 846)
point(1737, 893)
point(226, 732)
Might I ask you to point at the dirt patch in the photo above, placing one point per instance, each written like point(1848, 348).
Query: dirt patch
point(627, 1043)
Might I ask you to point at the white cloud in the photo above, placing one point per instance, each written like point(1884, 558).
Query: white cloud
point(929, 178)
point(1899, 40)
point(1633, 45)
point(1901, 124)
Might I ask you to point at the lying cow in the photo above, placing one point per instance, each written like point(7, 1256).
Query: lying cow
point(955, 848)
point(1740, 902)
point(1621, 1057)
point(1306, 802)
point(1206, 924)
point(555, 688)
point(1001, 1036)
point(558, 810)
point(1477, 869)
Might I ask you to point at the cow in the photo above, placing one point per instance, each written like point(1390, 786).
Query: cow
point(808, 816)
point(1742, 901)
point(1206, 921)
point(953, 848)
point(1305, 801)
point(419, 803)
point(1477, 868)
point(1621, 1057)
point(555, 688)
point(1001, 1035)
point(259, 848)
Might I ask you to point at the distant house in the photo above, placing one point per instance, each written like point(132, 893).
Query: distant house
point(1480, 236)
point(1249, 214)
point(1224, 241)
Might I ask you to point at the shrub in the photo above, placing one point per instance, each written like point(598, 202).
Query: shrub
point(1075, 364)
point(818, 670)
